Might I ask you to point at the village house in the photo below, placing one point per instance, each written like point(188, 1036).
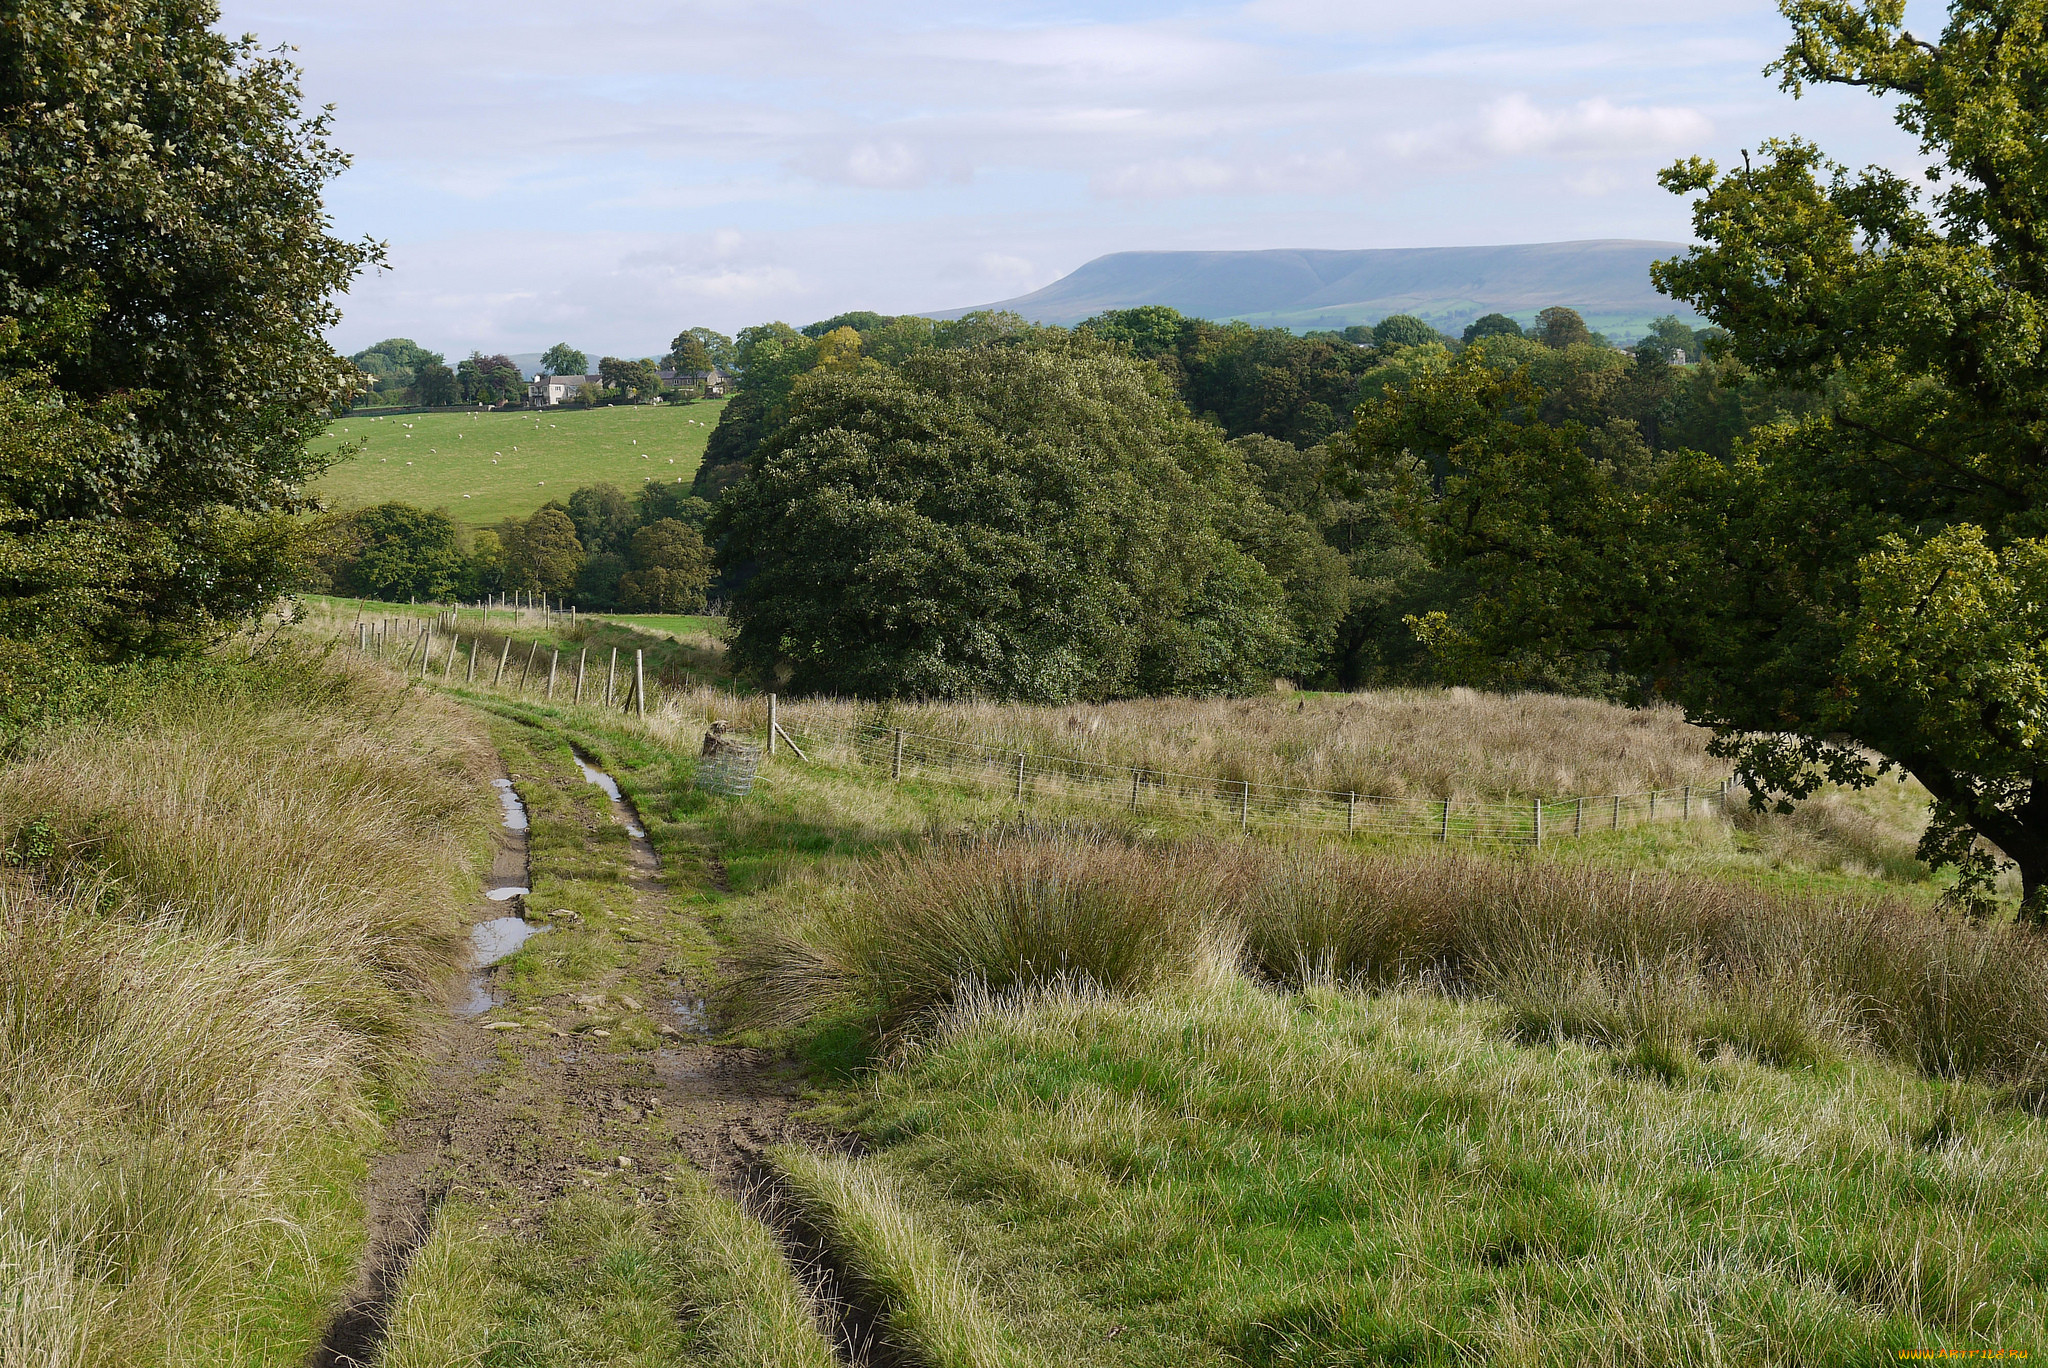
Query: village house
point(547, 391)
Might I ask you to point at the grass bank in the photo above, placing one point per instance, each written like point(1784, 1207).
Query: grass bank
point(225, 910)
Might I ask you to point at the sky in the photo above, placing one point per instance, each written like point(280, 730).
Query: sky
point(609, 174)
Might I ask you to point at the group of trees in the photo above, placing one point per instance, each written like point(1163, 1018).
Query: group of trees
point(398, 371)
point(600, 550)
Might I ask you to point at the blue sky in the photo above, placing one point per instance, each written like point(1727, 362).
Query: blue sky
point(609, 174)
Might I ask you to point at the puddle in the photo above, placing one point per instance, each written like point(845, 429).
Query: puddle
point(515, 811)
point(593, 775)
point(501, 894)
point(480, 999)
point(691, 1015)
point(493, 940)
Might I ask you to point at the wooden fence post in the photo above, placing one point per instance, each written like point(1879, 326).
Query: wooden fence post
point(1538, 809)
point(1020, 777)
point(448, 665)
point(1350, 813)
point(503, 656)
point(469, 676)
point(1244, 806)
point(640, 680)
point(1686, 810)
point(554, 660)
point(1617, 812)
point(772, 724)
point(1134, 783)
point(582, 658)
point(527, 669)
point(1443, 835)
point(896, 757)
point(1579, 816)
point(611, 676)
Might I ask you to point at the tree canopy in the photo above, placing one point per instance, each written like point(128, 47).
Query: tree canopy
point(1029, 521)
point(1865, 576)
point(563, 359)
point(166, 278)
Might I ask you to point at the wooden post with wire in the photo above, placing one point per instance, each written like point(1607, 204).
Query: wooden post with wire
point(503, 657)
point(1244, 807)
point(1350, 813)
point(554, 660)
point(582, 657)
point(774, 724)
point(896, 759)
point(640, 680)
point(1443, 834)
point(1020, 779)
point(1538, 810)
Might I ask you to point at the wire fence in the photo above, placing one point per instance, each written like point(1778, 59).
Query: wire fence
point(499, 663)
point(1026, 775)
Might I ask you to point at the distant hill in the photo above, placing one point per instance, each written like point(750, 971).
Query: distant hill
point(1608, 281)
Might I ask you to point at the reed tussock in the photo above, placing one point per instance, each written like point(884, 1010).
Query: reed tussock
point(254, 890)
point(917, 930)
point(1669, 968)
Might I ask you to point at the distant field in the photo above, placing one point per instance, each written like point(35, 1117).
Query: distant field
point(670, 624)
point(483, 467)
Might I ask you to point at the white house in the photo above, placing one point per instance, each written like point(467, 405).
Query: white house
point(548, 390)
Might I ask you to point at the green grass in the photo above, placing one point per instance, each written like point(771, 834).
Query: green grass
point(672, 624)
point(1233, 1175)
point(483, 467)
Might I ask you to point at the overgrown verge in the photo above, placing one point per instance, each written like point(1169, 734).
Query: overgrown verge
point(225, 909)
point(1670, 967)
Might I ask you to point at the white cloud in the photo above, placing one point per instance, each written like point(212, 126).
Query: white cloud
point(1516, 126)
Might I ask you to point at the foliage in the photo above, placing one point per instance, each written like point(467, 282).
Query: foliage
point(641, 379)
point(166, 276)
point(400, 552)
point(715, 347)
point(1403, 330)
point(563, 359)
point(1558, 327)
point(671, 566)
point(541, 554)
point(1033, 521)
point(604, 517)
point(433, 384)
point(1860, 577)
point(393, 363)
point(489, 380)
point(1491, 325)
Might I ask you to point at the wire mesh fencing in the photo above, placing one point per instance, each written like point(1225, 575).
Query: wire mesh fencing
point(1026, 775)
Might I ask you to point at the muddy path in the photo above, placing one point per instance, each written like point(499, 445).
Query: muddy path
point(529, 1092)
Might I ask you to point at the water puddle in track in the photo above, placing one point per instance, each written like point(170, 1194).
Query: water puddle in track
point(508, 798)
point(593, 775)
point(489, 942)
point(507, 893)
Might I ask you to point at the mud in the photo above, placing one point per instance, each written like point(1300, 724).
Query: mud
point(509, 1118)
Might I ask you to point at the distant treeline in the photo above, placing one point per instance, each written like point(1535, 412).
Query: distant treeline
point(600, 550)
point(1145, 503)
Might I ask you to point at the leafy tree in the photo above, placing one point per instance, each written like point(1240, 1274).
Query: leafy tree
point(861, 321)
point(542, 553)
point(563, 359)
point(605, 518)
point(839, 350)
point(393, 362)
point(657, 501)
point(1867, 577)
point(402, 552)
point(689, 354)
point(671, 567)
point(597, 580)
point(1032, 520)
point(1403, 330)
point(434, 383)
point(717, 346)
point(166, 278)
point(1492, 325)
point(1150, 330)
point(1673, 336)
point(1558, 327)
point(489, 379)
point(641, 379)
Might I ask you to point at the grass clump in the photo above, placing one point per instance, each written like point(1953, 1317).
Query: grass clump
point(916, 930)
point(250, 891)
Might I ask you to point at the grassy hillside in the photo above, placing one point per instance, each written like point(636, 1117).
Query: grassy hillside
point(482, 467)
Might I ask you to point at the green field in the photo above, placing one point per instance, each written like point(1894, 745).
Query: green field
point(483, 467)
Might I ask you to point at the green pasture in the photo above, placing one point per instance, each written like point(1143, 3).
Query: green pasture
point(483, 467)
point(667, 624)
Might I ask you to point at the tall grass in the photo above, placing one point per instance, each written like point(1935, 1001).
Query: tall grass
point(255, 888)
point(916, 929)
point(1668, 967)
point(1400, 743)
